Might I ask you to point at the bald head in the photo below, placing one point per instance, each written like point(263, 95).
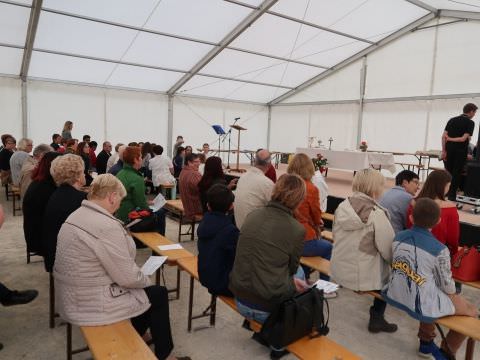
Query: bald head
point(262, 159)
point(121, 149)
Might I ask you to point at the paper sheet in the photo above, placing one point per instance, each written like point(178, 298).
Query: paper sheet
point(170, 247)
point(326, 286)
point(152, 264)
point(158, 203)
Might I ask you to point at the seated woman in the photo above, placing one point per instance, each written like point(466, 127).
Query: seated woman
point(134, 184)
point(212, 175)
point(268, 252)
point(68, 173)
point(436, 187)
point(106, 285)
point(308, 212)
point(83, 150)
point(35, 202)
point(362, 247)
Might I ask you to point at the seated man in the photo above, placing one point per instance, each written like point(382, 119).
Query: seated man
point(188, 183)
point(115, 169)
point(397, 199)
point(421, 282)
point(217, 241)
point(161, 167)
point(254, 189)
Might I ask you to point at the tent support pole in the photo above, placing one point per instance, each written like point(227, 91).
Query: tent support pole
point(363, 79)
point(170, 126)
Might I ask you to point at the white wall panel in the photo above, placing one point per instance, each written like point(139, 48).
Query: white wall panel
point(193, 119)
point(336, 121)
point(289, 127)
point(396, 126)
point(11, 107)
point(134, 116)
point(51, 104)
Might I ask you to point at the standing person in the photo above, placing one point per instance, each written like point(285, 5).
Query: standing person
point(177, 144)
point(24, 148)
point(188, 183)
point(103, 157)
point(397, 199)
point(455, 140)
point(206, 150)
point(421, 282)
point(9, 144)
point(362, 244)
point(56, 140)
point(447, 231)
point(309, 214)
point(254, 189)
point(178, 161)
point(67, 130)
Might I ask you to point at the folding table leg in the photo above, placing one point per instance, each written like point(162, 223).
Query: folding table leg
point(190, 304)
point(213, 310)
point(178, 283)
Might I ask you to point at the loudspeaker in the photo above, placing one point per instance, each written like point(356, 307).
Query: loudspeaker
point(472, 183)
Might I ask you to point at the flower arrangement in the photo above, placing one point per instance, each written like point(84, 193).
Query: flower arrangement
point(320, 163)
point(363, 146)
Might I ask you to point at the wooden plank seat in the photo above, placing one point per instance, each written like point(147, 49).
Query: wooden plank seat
point(306, 348)
point(327, 235)
point(153, 240)
point(175, 208)
point(327, 216)
point(316, 263)
point(16, 199)
point(118, 341)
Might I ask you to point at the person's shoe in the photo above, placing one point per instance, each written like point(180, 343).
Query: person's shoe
point(277, 354)
point(378, 323)
point(259, 338)
point(20, 297)
point(429, 350)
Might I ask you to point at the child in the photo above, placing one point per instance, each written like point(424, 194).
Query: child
point(421, 281)
point(217, 241)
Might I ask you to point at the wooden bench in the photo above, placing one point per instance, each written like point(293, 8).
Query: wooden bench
point(175, 208)
point(306, 348)
point(316, 263)
point(153, 240)
point(327, 235)
point(115, 341)
point(328, 217)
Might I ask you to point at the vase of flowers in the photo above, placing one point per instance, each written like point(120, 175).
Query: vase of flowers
point(320, 163)
point(363, 146)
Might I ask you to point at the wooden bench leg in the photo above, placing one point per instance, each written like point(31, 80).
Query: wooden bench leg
point(28, 256)
point(470, 349)
point(69, 342)
point(192, 235)
point(180, 228)
point(213, 310)
point(52, 303)
point(178, 283)
point(190, 304)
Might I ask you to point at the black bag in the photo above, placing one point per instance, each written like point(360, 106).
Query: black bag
point(295, 318)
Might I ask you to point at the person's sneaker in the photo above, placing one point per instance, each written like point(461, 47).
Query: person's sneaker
point(277, 354)
point(378, 323)
point(429, 350)
point(20, 297)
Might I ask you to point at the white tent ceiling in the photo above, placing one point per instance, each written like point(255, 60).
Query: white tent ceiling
point(248, 50)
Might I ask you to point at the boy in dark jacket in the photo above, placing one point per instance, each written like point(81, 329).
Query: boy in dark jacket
point(217, 241)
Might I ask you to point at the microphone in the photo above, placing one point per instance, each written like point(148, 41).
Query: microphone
point(237, 118)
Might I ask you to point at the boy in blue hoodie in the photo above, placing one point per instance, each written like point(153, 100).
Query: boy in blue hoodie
point(421, 281)
point(217, 241)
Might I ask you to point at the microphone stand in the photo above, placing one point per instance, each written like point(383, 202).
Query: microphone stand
point(229, 142)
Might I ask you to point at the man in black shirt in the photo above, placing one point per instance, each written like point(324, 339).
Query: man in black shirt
point(102, 158)
point(455, 140)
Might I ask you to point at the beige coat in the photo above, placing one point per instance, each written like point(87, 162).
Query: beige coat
point(362, 247)
point(94, 252)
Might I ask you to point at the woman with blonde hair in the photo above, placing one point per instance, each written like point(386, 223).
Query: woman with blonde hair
point(106, 285)
point(362, 247)
point(308, 212)
point(68, 173)
point(67, 130)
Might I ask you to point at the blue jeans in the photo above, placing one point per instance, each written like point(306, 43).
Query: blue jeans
point(317, 247)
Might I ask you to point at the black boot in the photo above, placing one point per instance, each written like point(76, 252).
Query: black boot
point(378, 324)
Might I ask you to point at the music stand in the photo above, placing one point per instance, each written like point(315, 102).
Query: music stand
point(239, 129)
point(219, 131)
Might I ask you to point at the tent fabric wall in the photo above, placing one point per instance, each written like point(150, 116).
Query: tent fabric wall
point(11, 106)
point(289, 127)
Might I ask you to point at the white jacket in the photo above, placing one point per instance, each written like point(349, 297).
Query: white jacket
point(362, 247)
point(94, 252)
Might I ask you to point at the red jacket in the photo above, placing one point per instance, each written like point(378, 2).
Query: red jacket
point(308, 212)
point(93, 158)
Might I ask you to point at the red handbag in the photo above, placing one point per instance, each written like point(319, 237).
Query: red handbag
point(466, 264)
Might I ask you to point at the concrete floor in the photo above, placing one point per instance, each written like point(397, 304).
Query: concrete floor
point(25, 333)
